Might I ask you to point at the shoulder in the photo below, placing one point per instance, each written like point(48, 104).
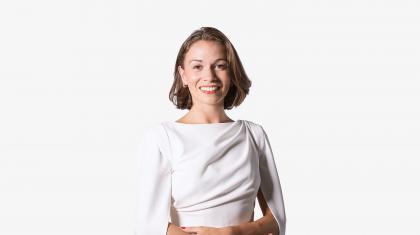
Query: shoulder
point(257, 131)
point(152, 146)
point(154, 138)
point(153, 133)
point(256, 128)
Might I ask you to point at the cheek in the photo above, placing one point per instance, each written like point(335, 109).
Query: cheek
point(223, 74)
point(192, 75)
point(195, 78)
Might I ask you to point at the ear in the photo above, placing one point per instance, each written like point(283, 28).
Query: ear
point(181, 73)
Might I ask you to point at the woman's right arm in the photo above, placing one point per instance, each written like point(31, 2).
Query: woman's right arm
point(153, 184)
point(175, 230)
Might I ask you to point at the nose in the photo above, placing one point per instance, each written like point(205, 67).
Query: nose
point(209, 74)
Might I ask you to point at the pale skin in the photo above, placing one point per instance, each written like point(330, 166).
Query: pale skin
point(205, 64)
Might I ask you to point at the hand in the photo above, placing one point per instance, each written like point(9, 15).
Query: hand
point(203, 230)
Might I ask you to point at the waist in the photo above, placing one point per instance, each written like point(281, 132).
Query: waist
point(228, 214)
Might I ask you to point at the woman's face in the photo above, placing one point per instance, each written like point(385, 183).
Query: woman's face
point(206, 73)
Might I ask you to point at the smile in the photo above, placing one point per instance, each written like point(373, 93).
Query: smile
point(209, 88)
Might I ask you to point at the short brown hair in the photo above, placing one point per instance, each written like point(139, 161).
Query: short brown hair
point(181, 96)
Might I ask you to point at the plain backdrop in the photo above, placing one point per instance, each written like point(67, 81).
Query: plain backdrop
point(334, 83)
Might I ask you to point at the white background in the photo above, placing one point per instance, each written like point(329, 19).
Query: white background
point(335, 85)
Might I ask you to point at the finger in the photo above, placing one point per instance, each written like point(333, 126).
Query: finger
point(191, 229)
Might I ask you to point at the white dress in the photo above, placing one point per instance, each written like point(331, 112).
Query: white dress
point(204, 175)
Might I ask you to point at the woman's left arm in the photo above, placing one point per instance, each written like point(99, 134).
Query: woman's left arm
point(263, 226)
point(269, 195)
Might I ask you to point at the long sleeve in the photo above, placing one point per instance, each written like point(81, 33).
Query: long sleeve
point(153, 183)
point(270, 182)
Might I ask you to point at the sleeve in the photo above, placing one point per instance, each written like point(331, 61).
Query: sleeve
point(270, 182)
point(153, 199)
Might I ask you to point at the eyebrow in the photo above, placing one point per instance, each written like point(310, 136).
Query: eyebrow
point(201, 60)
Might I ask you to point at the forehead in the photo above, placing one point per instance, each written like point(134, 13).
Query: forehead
point(205, 50)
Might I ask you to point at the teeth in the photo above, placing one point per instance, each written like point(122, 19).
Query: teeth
point(213, 88)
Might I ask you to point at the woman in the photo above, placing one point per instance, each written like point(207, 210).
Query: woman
point(201, 173)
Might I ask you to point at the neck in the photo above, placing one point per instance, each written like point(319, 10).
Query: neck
point(207, 114)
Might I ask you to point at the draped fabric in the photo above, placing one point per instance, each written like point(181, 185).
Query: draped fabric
point(154, 184)
point(205, 175)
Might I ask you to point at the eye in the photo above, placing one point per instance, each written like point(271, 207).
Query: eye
point(221, 66)
point(196, 66)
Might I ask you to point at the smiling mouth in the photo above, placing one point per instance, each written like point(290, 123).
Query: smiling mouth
point(209, 88)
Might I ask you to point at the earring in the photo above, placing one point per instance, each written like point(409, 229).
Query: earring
point(185, 85)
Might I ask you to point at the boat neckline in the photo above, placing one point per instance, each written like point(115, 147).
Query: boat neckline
point(205, 124)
